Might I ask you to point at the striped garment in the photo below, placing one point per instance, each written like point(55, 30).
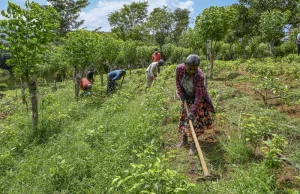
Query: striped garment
point(200, 106)
point(201, 94)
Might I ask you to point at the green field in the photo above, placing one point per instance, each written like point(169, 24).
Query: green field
point(55, 139)
point(125, 143)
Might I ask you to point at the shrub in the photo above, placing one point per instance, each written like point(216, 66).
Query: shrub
point(3, 86)
point(152, 177)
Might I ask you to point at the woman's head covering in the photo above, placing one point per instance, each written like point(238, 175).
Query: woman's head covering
point(193, 59)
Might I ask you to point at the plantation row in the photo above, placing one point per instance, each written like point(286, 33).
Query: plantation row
point(125, 143)
point(99, 145)
point(270, 79)
point(30, 38)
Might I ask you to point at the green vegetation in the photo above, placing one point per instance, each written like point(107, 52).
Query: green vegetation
point(3, 87)
point(100, 145)
point(125, 142)
point(4, 74)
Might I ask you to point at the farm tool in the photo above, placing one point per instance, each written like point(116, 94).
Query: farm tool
point(122, 82)
point(207, 175)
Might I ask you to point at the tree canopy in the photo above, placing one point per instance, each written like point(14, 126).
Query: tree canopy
point(69, 11)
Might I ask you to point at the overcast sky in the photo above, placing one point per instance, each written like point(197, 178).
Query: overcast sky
point(96, 14)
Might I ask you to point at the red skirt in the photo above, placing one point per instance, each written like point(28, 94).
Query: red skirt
point(201, 122)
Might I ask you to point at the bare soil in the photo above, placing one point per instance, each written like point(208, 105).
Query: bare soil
point(291, 110)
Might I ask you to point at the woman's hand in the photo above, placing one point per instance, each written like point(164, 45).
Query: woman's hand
point(191, 117)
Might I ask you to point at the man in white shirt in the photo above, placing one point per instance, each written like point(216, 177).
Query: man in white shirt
point(151, 72)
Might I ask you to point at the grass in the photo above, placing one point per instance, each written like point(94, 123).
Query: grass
point(11, 92)
point(81, 147)
point(233, 154)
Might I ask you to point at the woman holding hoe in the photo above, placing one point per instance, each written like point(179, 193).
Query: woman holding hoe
point(190, 88)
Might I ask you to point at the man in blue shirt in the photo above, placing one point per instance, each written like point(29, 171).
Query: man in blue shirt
point(111, 79)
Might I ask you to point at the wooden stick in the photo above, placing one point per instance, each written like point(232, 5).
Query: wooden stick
point(204, 167)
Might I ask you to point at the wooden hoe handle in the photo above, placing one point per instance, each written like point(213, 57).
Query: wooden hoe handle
point(204, 167)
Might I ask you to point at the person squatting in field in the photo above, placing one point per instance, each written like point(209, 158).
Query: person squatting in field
point(190, 88)
point(151, 72)
point(111, 79)
point(86, 86)
point(90, 75)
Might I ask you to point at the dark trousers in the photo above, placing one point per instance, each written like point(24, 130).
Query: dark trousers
point(111, 86)
point(298, 49)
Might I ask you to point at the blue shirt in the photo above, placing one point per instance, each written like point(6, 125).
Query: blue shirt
point(115, 75)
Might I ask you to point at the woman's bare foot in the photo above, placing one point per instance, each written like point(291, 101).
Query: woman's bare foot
point(193, 149)
point(183, 142)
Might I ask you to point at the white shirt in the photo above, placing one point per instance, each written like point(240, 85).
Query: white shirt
point(152, 69)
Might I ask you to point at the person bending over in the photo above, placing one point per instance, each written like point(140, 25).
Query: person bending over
point(190, 88)
point(151, 72)
point(86, 86)
point(111, 79)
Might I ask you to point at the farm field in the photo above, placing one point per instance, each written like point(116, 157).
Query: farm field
point(65, 129)
point(126, 142)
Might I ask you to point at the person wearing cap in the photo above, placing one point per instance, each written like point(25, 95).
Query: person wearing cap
point(86, 86)
point(151, 72)
point(156, 56)
point(90, 75)
point(111, 79)
point(190, 88)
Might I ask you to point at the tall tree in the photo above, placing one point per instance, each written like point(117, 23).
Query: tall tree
point(191, 40)
point(181, 22)
point(246, 21)
point(28, 32)
point(160, 24)
point(127, 54)
point(108, 52)
point(54, 63)
point(262, 6)
point(212, 26)
point(128, 18)
point(271, 27)
point(69, 11)
point(79, 51)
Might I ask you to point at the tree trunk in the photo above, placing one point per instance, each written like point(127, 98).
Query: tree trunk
point(16, 89)
point(211, 59)
point(76, 83)
point(61, 77)
point(34, 102)
point(101, 78)
point(23, 95)
point(271, 48)
point(54, 82)
point(55, 86)
point(101, 75)
point(211, 66)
